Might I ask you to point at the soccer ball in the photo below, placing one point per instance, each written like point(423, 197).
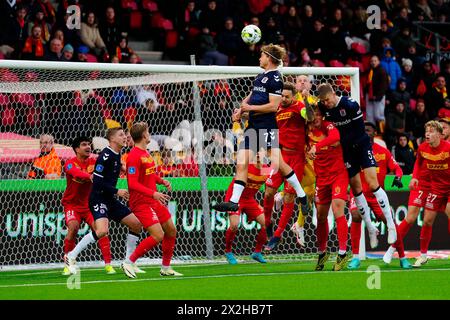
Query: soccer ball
point(251, 34)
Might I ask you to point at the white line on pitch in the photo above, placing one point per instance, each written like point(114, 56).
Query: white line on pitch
point(215, 276)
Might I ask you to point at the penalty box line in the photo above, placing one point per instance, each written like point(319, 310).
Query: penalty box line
point(311, 273)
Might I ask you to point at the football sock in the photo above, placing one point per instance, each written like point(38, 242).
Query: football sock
point(355, 236)
point(168, 245)
point(286, 215)
point(399, 244)
point(68, 245)
point(229, 238)
point(268, 207)
point(238, 188)
point(425, 238)
point(105, 248)
point(261, 239)
point(383, 201)
point(132, 240)
point(146, 245)
point(364, 210)
point(322, 235)
point(342, 232)
point(293, 181)
point(83, 244)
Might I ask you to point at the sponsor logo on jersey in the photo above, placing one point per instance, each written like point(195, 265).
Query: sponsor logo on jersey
point(284, 116)
point(342, 112)
point(131, 170)
point(379, 157)
point(146, 159)
point(342, 123)
point(90, 169)
point(99, 168)
point(264, 80)
point(337, 191)
point(149, 171)
point(438, 166)
point(260, 89)
point(435, 157)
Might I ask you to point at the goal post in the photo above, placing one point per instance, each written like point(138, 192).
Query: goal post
point(68, 99)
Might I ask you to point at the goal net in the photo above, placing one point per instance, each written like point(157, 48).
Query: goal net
point(188, 109)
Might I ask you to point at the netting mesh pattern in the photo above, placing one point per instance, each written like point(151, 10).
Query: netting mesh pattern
point(65, 104)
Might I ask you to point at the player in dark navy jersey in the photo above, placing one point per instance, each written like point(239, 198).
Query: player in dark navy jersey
point(347, 116)
point(262, 104)
point(103, 202)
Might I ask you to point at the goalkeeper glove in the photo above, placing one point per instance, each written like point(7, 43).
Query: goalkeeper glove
point(397, 182)
point(304, 205)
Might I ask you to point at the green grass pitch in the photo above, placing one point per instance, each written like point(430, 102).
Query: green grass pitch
point(277, 281)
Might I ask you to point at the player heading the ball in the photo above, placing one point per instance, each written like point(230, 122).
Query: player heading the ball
point(262, 104)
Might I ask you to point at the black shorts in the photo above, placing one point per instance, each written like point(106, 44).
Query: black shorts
point(358, 157)
point(255, 139)
point(111, 209)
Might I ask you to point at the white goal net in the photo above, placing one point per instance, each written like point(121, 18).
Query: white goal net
point(188, 109)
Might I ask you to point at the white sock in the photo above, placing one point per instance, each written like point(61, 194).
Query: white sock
point(423, 255)
point(83, 244)
point(391, 250)
point(165, 268)
point(293, 181)
point(237, 192)
point(383, 201)
point(364, 210)
point(131, 246)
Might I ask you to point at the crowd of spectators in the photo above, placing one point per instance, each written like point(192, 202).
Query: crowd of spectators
point(401, 88)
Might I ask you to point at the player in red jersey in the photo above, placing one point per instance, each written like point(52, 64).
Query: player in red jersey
point(331, 187)
point(149, 205)
point(433, 156)
point(249, 206)
point(291, 121)
point(75, 200)
point(385, 163)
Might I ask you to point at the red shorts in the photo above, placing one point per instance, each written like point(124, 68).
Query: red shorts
point(417, 198)
point(437, 202)
point(296, 160)
point(371, 201)
point(75, 214)
point(250, 207)
point(331, 187)
point(150, 214)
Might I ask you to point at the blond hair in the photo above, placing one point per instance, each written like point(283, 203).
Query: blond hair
point(324, 89)
point(137, 131)
point(433, 124)
point(275, 52)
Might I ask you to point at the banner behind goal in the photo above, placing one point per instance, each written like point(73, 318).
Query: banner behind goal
point(188, 109)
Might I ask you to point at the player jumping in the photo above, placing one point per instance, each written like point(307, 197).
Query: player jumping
point(149, 205)
point(262, 104)
point(347, 116)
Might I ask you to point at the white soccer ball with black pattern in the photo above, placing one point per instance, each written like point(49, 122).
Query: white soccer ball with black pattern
point(251, 34)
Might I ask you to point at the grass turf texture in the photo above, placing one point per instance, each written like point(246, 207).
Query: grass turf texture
point(277, 281)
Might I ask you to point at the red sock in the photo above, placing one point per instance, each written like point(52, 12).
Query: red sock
point(268, 207)
point(355, 236)
point(425, 238)
point(105, 248)
point(399, 243)
point(261, 239)
point(286, 215)
point(403, 228)
point(322, 235)
point(146, 245)
point(68, 245)
point(342, 232)
point(229, 238)
point(168, 245)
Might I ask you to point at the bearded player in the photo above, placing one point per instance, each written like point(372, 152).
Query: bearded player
point(291, 121)
point(347, 116)
point(249, 206)
point(331, 188)
point(76, 197)
point(149, 205)
point(386, 163)
point(262, 104)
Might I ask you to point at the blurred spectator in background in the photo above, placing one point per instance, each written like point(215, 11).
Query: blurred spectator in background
point(110, 30)
point(123, 52)
point(391, 66)
point(271, 32)
point(46, 7)
point(67, 53)
point(248, 56)
point(400, 94)
point(229, 41)
point(47, 165)
point(292, 25)
point(316, 41)
point(34, 46)
point(395, 124)
point(444, 113)
point(435, 98)
point(335, 46)
point(90, 35)
point(416, 122)
point(376, 88)
point(403, 40)
point(209, 55)
point(408, 74)
point(39, 20)
point(54, 52)
point(15, 33)
point(403, 154)
point(211, 18)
